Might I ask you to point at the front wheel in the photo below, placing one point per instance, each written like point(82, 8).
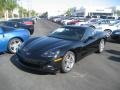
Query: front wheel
point(68, 62)
point(14, 44)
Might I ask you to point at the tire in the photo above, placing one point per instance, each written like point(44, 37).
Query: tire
point(68, 62)
point(108, 33)
point(31, 31)
point(14, 44)
point(101, 46)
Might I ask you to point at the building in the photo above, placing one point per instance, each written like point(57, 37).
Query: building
point(93, 11)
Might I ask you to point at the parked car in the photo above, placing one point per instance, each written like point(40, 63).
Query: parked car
point(12, 38)
point(102, 25)
point(73, 22)
point(109, 27)
point(15, 24)
point(89, 22)
point(26, 21)
point(116, 35)
point(35, 18)
point(60, 49)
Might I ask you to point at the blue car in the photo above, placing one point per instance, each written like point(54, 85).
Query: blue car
point(11, 38)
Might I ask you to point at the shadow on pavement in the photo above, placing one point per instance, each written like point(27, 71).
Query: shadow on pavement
point(17, 64)
point(1, 53)
point(113, 52)
point(114, 41)
point(116, 55)
point(114, 58)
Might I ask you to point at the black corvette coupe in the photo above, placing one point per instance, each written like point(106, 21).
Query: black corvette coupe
point(60, 49)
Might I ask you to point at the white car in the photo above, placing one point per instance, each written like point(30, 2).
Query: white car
point(103, 24)
point(66, 21)
point(91, 21)
point(109, 28)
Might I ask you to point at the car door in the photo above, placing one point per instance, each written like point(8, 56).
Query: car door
point(2, 46)
point(89, 41)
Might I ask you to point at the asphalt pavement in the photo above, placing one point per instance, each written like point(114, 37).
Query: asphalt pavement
point(94, 72)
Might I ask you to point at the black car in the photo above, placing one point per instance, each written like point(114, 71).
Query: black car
point(115, 35)
point(16, 24)
point(26, 21)
point(60, 49)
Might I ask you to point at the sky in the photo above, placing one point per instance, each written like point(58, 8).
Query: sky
point(60, 6)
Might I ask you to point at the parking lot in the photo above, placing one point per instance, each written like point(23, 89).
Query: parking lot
point(94, 72)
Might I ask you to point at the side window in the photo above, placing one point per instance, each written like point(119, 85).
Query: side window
point(7, 29)
point(89, 32)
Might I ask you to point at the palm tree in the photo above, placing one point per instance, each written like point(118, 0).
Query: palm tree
point(33, 13)
point(20, 10)
point(10, 6)
point(2, 7)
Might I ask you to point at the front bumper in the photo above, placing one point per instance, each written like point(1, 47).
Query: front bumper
point(50, 66)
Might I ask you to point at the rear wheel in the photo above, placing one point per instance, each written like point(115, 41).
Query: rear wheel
point(14, 44)
point(101, 46)
point(68, 62)
point(108, 32)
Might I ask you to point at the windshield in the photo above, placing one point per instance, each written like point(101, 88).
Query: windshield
point(68, 33)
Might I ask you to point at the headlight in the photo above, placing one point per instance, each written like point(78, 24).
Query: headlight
point(51, 53)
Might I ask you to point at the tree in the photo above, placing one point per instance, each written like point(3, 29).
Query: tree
point(44, 15)
point(20, 11)
point(118, 12)
point(33, 13)
point(2, 7)
point(7, 6)
point(10, 6)
point(69, 12)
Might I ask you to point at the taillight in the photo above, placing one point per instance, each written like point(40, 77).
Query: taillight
point(28, 23)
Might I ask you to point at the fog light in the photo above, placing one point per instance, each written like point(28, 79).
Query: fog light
point(57, 60)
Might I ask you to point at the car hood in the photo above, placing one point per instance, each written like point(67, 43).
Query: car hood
point(46, 43)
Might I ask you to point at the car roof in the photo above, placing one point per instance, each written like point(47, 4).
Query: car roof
point(3, 26)
point(75, 26)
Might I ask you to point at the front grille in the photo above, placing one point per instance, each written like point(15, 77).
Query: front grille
point(29, 64)
point(32, 63)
